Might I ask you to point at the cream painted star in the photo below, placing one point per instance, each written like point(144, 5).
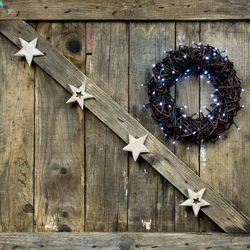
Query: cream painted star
point(195, 200)
point(136, 146)
point(29, 50)
point(79, 95)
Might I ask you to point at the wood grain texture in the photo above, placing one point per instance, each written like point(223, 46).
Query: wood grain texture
point(187, 93)
point(225, 164)
point(59, 136)
point(151, 200)
point(16, 141)
point(125, 10)
point(106, 163)
point(114, 241)
point(122, 123)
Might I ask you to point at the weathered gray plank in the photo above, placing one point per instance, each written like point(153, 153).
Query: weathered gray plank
point(106, 163)
point(187, 93)
point(229, 156)
point(16, 141)
point(116, 118)
point(59, 136)
point(151, 199)
point(125, 10)
point(114, 241)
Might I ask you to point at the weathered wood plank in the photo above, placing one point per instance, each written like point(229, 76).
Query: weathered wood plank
point(16, 141)
point(122, 123)
point(187, 93)
point(151, 200)
point(106, 163)
point(125, 10)
point(229, 157)
point(59, 136)
point(112, 241)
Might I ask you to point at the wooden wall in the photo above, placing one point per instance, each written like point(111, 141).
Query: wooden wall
point(62, 169)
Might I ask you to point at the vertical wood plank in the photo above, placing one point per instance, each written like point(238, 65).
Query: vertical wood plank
point(151, 198)
point(187, 93)
point(106, 163)
point(59, 139)
point(16, 141)
point(225, 164)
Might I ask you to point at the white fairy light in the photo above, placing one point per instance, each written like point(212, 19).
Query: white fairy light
point(176, 79)
point(188, 148)
point(194, 133)
point(169, 106)
point(208, 81)
point(212, 95)
point(211, 118)
point(160, 103)
point(201, 76)
point(174, 142)
point(204, 107)
point(217, 103)
point(153, 92)
point(205, 72)
point(184, 115)
point(238, 128)
point(242, 90)
point(173, 72)
point(142, 84)
point(185, 106)
point(215, 100)
point(185, 56)
point(219, 136)
point(224, 114)
point(207, 57)
point(243, 106)
point(153, 65)
point(185, 131)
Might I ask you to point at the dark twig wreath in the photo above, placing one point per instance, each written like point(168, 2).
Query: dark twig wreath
point(205, 61)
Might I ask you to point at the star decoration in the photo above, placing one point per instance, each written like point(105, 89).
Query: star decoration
point(195, 200)
point(29, 50)
point(79, 95)
point(136, 146)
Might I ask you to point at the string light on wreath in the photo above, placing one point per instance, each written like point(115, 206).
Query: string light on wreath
point(207, 62)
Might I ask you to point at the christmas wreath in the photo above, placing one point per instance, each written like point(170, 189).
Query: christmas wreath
point(204, 61)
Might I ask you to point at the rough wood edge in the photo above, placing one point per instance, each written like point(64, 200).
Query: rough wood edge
point(125, 10)
point(122, 123)
point(122, 241)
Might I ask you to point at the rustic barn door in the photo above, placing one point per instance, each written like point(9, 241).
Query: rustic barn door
point(63, 169)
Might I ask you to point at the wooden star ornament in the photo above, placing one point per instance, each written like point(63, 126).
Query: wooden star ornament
point(29, 50)
point(136, 146)
point(195, 200)
point(79, 95)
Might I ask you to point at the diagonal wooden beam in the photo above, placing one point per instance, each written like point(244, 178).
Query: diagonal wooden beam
point(122, 123)
point(123, 10)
